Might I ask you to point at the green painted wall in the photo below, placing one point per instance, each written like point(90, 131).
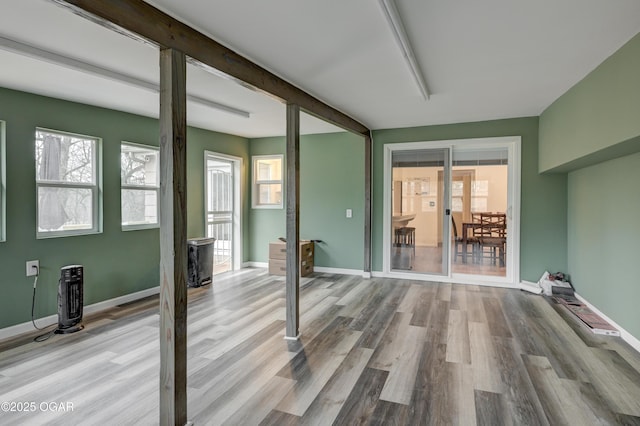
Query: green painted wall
point(603, 236)
point(116, 262)
point(597, 119)
point(543, 219)
point(265, 225)
point(331, 181)
point(593, 131)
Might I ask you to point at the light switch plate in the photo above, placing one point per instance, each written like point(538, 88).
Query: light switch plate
point(349, 213)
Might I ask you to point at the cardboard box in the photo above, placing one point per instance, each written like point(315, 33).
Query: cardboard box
point(279, 250)
point(278, 255)
point(279, 267)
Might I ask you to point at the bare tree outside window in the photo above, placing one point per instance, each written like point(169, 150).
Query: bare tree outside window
point(66, 182)
point(139, 168)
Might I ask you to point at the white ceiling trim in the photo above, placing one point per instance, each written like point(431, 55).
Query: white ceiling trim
point(82, 66)
point(397, 28)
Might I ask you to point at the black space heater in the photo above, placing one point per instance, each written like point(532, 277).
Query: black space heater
point(70, 299)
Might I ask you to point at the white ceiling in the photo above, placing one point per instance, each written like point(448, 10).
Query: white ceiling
point(482, 60)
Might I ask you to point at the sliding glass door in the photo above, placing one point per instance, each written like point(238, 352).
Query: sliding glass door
point(479, 204)
point(451, 210)
point(419, 198)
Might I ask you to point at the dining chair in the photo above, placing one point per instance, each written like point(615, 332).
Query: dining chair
point(458, 242)
point(493, 237)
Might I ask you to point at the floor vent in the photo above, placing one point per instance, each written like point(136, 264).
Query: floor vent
point(586, 315)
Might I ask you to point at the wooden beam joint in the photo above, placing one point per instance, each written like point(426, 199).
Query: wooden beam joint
point(143, 20)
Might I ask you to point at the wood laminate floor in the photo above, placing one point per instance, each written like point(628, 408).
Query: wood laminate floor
point(377, 351)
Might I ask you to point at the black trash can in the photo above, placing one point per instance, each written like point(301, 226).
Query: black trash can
point(200, 266)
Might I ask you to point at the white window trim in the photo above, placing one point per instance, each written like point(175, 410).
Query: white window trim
point(96, 190)
point(3, 183)
point(254, 186)
point(155, 188)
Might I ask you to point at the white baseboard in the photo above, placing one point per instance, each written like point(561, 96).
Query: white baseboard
point(326, 270)
point(25, 327)
point(420, 277)
point(626, 336)
point(255, 265)
point(321, 269)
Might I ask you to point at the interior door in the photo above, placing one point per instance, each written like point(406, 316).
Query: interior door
point(420, 206)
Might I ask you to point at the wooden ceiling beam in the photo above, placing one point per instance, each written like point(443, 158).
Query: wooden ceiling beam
point(140, 19)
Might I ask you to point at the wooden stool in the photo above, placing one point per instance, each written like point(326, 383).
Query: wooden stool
point(406, 237)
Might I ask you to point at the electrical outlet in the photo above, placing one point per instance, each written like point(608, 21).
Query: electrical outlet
point(33, 268)
point(349, 213)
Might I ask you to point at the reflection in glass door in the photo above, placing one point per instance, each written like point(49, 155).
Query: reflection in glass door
point(220, 210)
point(419, 202)
point(479, 204)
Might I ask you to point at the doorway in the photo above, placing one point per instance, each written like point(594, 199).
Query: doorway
point(452, 210)
point(222, 210)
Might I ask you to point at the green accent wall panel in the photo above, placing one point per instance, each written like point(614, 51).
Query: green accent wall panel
point(543, 221)
point(603, 235)
point(116, 262)
point(265, 225)
point(331, 181)
point(597, 119)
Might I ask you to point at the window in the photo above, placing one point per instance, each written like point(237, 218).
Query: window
point(67, 181)
point(3, 210)
point(140, 180)
point(267, 181)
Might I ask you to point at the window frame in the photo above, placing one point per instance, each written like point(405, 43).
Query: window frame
point(156, 188)
point(255, 182)
point(95, 187)
point(3, 183)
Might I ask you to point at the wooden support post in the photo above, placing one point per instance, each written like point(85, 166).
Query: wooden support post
point(293, 222)
point(367, 205)
point(173, 238)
